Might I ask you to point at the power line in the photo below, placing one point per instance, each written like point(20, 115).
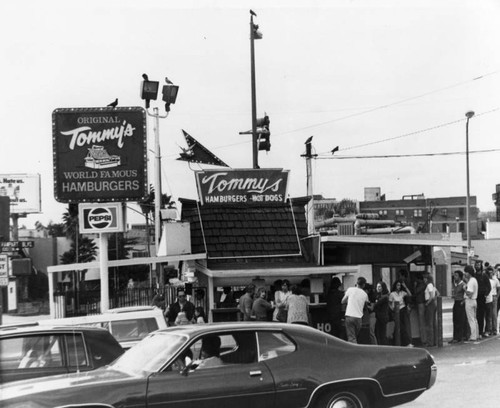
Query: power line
point(375, 109)
point(392, 156)
point(412, 133)
point(392, 104)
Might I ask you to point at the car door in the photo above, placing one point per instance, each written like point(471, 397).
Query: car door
point(279, 353)
point(241, 380)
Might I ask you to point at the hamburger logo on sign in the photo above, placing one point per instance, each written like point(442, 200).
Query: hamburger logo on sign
point(106, 217)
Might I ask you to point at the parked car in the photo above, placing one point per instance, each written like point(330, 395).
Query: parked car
point(36, 351)
point(261, 365)
point(128, 325)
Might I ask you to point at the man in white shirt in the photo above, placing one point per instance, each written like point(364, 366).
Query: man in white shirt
point(493, 295)
point(471, 301)
point(356, 299)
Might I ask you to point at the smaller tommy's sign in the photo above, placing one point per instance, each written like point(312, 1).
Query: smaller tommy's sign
point(242, 186)
point(104, 217)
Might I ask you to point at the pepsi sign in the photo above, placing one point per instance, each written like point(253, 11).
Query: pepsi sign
point(105, 217)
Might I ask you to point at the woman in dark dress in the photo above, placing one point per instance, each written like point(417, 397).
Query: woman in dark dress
point(381, 308)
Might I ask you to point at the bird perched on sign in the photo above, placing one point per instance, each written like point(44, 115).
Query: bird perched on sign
point(113, 104)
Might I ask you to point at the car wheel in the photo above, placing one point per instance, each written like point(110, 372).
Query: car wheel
point(344, 399)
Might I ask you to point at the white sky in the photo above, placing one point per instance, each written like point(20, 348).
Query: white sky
point(371, 76)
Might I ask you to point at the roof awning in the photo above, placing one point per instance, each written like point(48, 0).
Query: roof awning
point(407, 239)
point(278, 272)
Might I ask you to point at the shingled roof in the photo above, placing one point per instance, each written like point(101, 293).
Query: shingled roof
point(247, 234)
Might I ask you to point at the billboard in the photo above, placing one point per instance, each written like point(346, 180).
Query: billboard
point(23, 191)
point(242, 186)
point(105, 217)
point(99, 154)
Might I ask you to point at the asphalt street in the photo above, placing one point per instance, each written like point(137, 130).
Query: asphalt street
point(467, 376)
point(468, 373)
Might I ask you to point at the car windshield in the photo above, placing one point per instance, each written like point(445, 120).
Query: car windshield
point(150, 354)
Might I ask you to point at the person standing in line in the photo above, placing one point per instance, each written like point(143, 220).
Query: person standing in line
point(495, 289)
point(246, 303)
point(483, 289)
point(297, 306)
point(334, 306)
point(471, 302)
point(420, 301)
point(226, 298)
point(381, 308)
point(370, 313)
point(497, 275)
point(399, 296)
point(430, 310)
point(261, 306)
point(280, 297)
point(459, 318)
point(356, 299)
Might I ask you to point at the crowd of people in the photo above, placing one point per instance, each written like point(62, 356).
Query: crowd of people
point(475, 306)
point(375, 307)
point(288, 304)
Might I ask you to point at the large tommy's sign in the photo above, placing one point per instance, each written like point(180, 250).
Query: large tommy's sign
point(242, 186)
point(105, 217)
point(99, 154)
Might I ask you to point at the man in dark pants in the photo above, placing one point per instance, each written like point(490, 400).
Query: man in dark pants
point(459, 318)
point(484, 287)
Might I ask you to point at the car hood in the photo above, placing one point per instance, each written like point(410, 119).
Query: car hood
point(74, 381)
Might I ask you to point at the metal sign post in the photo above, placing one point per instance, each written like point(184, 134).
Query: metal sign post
point(104, 271)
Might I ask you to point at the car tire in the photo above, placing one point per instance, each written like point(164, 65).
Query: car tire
point(344, 399)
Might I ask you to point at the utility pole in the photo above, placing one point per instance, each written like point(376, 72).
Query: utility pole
point(310, 204)
point(468, 115)
point(254, 35)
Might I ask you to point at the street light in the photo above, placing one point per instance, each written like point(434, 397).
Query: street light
point(149, 90)
point(468, 115)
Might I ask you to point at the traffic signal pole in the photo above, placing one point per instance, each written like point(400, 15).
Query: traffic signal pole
point(255, 151)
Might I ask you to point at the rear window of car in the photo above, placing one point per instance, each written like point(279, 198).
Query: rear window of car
point(77, 354)
point(32, 351)
point(274, 344)
point(132, 329)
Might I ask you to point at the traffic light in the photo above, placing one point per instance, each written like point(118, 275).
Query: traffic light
point(257, 35)
point(149, 90)
point(263, 134)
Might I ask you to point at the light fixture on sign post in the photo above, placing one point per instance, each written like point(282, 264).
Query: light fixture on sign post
point(169, 93)
point(149, 91)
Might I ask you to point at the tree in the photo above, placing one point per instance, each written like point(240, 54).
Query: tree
point(82, 248)
point(346, 207)
point(56, 229)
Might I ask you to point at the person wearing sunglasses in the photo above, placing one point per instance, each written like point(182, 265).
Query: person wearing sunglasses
point(181, 311)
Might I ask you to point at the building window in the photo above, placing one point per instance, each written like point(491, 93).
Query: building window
point(417, 213)
point(461, 212)
point(444, 212)
point(382, 212)
point(400, 212)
